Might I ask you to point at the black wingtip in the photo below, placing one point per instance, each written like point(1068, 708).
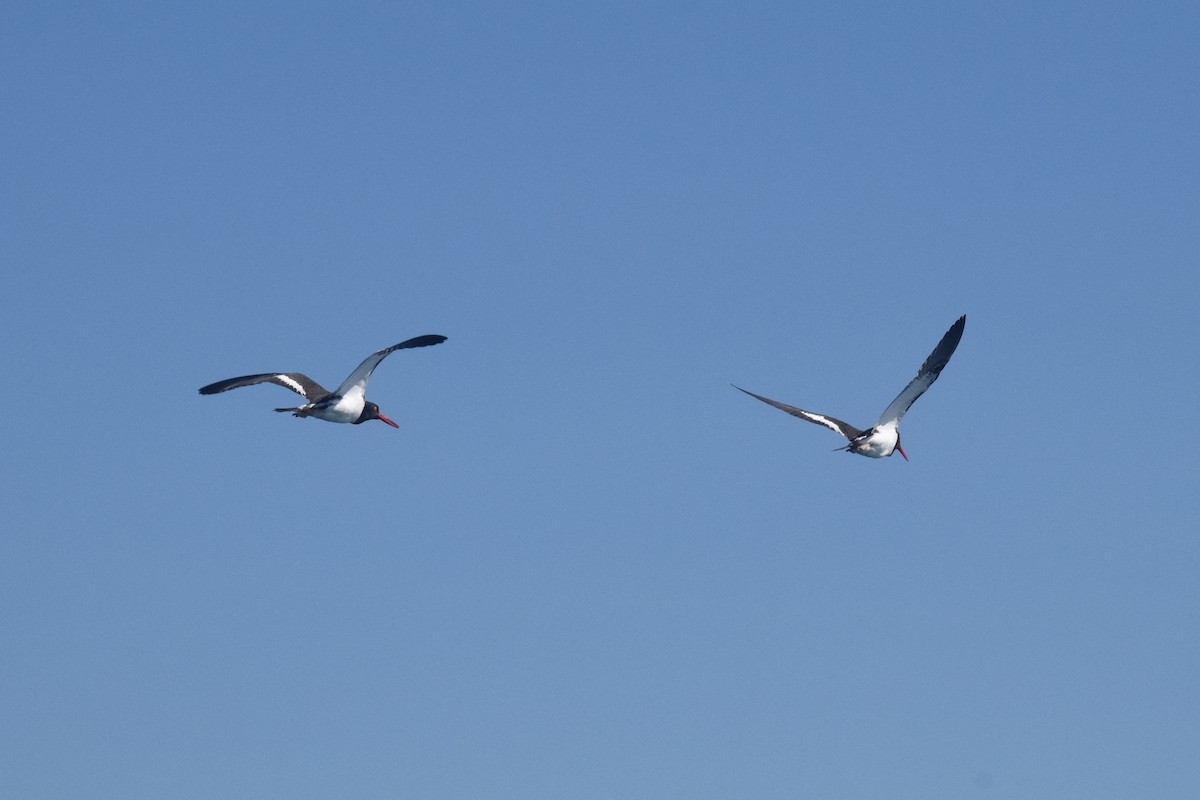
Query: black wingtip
point(425, 341)
point(746, 391)
point(956, 331)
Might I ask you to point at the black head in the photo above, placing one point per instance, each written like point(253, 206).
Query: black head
point(371, 411)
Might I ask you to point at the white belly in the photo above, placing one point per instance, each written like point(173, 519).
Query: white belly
point(346, 409)
point(881, 444)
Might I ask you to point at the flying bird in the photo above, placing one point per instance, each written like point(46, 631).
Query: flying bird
point(884, 438)
point(347, 403)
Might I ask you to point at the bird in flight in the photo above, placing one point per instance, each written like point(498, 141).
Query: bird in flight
point(884, 438)
point(347, 403)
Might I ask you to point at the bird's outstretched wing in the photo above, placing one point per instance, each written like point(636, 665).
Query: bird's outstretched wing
point(835, 425)
point(926, 375)
point(302, 385)
point(356, 382)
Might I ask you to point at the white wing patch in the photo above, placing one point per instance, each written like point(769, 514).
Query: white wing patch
point(291, 384)
point(833, 426)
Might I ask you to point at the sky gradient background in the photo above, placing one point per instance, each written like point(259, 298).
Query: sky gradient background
point(586, 567)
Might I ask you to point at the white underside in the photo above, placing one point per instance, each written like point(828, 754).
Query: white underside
point(882, 443)
point(346, 409)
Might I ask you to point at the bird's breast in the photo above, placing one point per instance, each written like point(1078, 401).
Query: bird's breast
point(878, 443)
point(341, 409)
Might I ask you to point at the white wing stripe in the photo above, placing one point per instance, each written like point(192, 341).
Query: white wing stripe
point(292, 384)
point(817, 418)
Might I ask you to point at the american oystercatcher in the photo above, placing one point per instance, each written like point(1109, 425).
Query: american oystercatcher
point(884, 439)
point(347, 403)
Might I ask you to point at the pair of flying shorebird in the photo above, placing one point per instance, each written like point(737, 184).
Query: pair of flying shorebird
point(348, 402)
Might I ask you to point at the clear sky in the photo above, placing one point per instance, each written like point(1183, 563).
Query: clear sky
point(585, 566)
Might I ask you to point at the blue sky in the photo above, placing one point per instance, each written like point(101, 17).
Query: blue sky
point(585, 566)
